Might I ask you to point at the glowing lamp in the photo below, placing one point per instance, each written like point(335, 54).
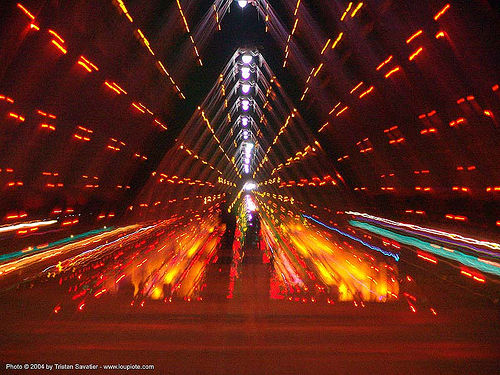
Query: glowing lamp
point(245, 105)
point(245, 88)
point(245, 134)
point(244, 121)
point(249, 186)
point(248, 147)
point(247, 59)
point(245, 72)
point(242, 3)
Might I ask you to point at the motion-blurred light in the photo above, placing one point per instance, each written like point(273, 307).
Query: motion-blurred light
point(250, 186)
point(245, 105)
point(247, 59)
point(245, 72)
point(245, 88)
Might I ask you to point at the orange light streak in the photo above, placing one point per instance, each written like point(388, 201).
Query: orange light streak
point(356, 10)
point(112, 87)
point(441, 12)
point(392, 71)
point(341, 111)
point(384, 62)
point(356, 87)
point(26, 11)
point(61, 48)
point(56, 35)
point(419, 32)
point(415, 54)
point(366, 92)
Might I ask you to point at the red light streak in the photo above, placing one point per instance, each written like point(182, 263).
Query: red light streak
point(61, 48)
point(346, 11)
point(48, 126)
point(419, 32)
point(341, 111)
point(138, 108)
point(428, 130)
point(415, 54)
point(317, 70)
point(69, 222)
point(356, 87)
point(458, 121)
point(112, 87)
point(323, 127)
point(13, 216)
point(366, 92)
point(56, 35)
point(384, 62)
point(427, 257)
point(441, 12)
point(85, 66)
point(334, 108)
point(89, 63)
point(99, 293)
point(326, 46)
point(356, 10)
point(189, 32)
point(337, 40)
point(391, 72)
point(456, 217)
point(473, 275)
point(399, 140)
point(120, 278)
point(7, 99)
point(488, 113)
point(119, 88)
point(161, 125)
point(26, 11)
point(16, 116)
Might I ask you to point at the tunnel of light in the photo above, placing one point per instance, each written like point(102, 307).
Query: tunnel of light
point(367, 148)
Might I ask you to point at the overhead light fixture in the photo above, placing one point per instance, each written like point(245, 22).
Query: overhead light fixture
point(247, 59)
point(245, 72)
point(249, 186)
point(245, 134)
point(245, 105)
point(244, 121)
point(245, 88)
point(242, 3)
point(247, 168)
point(248, 149)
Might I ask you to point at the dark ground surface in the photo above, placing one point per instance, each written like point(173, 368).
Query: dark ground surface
point(250, 334)
point(252, 337)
